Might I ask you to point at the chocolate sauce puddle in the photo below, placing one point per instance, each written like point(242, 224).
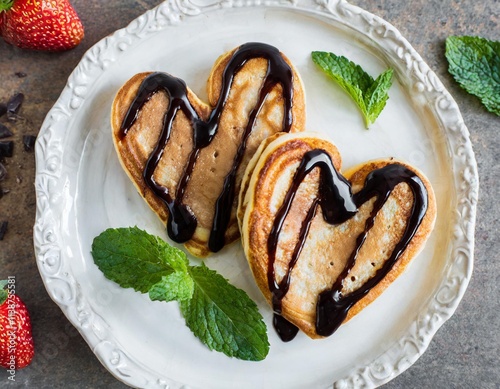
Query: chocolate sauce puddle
point(182, 222)
point(338, 205)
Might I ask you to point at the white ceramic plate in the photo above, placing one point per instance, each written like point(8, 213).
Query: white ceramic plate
point(81, 190)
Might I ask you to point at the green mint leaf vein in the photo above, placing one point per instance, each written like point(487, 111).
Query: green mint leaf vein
point(370, 95)
point(224, 317)
point(176, 286)
point(474, 62)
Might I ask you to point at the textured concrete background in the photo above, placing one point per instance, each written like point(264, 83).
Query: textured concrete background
point(465, 352)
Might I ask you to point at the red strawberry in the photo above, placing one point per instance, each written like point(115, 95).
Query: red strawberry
point(51, 25)
point(16, 341)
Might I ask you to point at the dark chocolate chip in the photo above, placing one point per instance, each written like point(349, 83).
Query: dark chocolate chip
point(4, 131)
point(3, 109)
point(20, 74)
point(6, 149)
point(14, 105)
point(3, 229)
point(29, 142)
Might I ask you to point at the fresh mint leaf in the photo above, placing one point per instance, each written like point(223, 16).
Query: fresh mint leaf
point(176, 286)
point(370, 95)
point(219, 314)
point(474, 62)
point(377, 95)
point(224, 317)
point(135, 259)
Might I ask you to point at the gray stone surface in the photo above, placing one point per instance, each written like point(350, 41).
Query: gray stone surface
point(464, 353)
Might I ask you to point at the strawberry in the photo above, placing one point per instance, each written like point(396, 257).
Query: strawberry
point(51, 25)
point(16, 341)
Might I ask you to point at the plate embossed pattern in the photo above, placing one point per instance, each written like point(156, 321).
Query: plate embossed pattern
point(56, 163)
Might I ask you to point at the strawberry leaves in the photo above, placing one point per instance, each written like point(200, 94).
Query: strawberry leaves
point(3, 292)
point(6, 5)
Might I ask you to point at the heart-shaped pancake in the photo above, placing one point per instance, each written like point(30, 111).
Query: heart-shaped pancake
point(322, 246)
point(186, 157)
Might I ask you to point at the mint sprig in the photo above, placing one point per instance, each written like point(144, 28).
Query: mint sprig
point(474, 62)
point(222, 316)
point(369, 94)
point(135, 259)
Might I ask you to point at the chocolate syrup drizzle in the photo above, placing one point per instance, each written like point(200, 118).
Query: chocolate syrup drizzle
point(182, 222)
point(338, 205)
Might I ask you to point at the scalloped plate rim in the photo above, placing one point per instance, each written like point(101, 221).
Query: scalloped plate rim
point(47, 169)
